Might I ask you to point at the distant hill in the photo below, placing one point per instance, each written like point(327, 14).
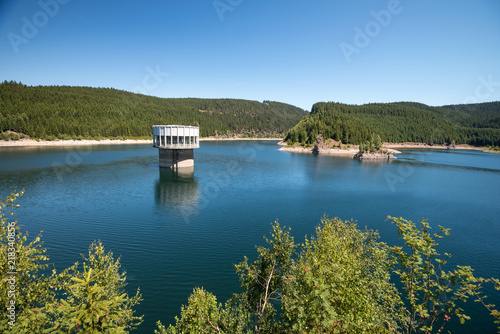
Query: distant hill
point(49, 112)
point(474, 124)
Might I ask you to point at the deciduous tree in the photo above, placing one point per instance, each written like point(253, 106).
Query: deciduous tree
point(26, 284)
point(341, 283)
point(96, 302)
point(432, 292)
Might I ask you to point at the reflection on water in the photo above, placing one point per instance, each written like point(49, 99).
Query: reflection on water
point(178, 190)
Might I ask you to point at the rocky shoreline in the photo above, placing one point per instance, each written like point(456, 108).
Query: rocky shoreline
point(83, 142)
point(374, 156)
point(352, 151)
point(329, 151)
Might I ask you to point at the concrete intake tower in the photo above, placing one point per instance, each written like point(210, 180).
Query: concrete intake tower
point(175, 144)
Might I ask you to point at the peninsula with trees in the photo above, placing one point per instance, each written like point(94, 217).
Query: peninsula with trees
point(363, 128)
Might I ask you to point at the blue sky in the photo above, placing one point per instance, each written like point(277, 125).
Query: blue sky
point(299, 52)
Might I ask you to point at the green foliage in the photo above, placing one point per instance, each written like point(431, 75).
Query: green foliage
point(477, 115)
point(50, 112)
point(11, 136)
point(262, 281)
point(433, 293)
point(32, 289)
point(494, 148)
point(253, 310)
point(337, 281)
point(477, 125)
point(377, 142)
point(364, 147)
point(340, 283)
point(91, 301)
point(202, 315)
point(96, 302)
point(373, 145)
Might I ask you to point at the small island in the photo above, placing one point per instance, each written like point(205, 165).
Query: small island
point(372, 150)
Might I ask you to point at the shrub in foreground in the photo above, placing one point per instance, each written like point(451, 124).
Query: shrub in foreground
point(339, 281)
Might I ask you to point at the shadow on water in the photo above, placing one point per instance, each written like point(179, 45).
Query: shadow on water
point(177, 191)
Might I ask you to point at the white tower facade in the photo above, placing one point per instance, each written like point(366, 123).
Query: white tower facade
point(175, 144)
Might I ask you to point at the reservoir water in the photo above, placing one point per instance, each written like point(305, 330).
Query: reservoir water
point(178, 230)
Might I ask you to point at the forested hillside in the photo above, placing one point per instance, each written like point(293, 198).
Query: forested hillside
point(49, 112)
point(482, 115)
point(475, 124)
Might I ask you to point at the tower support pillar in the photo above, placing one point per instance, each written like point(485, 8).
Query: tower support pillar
point(173, 158)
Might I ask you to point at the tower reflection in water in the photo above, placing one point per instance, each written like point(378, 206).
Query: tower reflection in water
point(177, 191)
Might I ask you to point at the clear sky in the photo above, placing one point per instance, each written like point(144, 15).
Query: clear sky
point(300, 52)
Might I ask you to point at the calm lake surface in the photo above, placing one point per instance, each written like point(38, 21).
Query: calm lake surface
point(176, 231)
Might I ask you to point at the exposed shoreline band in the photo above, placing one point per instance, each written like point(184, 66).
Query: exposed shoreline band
point(83, 142)
point(391, 147)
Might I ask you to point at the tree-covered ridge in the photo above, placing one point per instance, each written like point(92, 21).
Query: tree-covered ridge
point(68, 112)
point(481, 115)
point(477, 124)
